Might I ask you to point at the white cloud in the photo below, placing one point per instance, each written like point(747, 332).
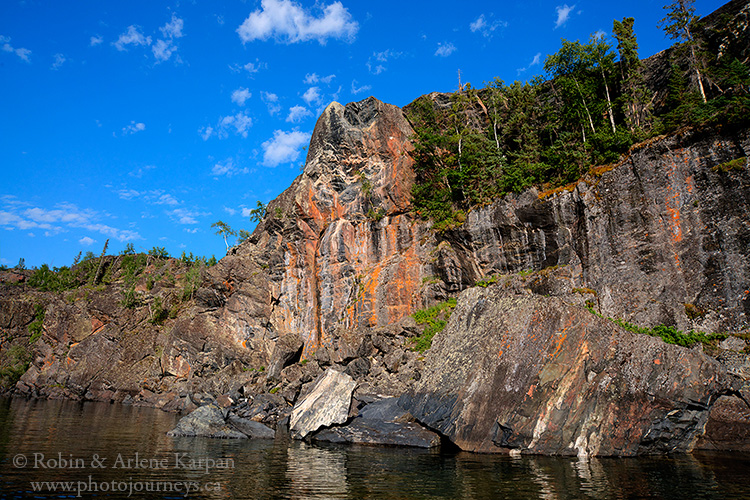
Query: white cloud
point(239, 123)
point(534, 62)
point(24, 54)
point(375, 69)
point(356, 90)
point(62, 218)
point(166, 199)
point(138, 173)
point(163, 50)
point(376, 62)
point(297, 114)
point(173, 29)
point(86, 241)
point(272, 102)
point(59, 61)
point(312, 78)
point(486, 28)
point(228, 168)
point(563, 14)
point(154, 197)
point(132, 36)
point(128, 194)
point(478, 24)
point(206, 132)
point(241, 95)
point(311, 95)
point(247, 212)
point(445, 49)
point(133, 128)
point(96, 40)
point(185, 216)
point(250, 67)
point(287, 21)
point(284, 147)
point(230, 211)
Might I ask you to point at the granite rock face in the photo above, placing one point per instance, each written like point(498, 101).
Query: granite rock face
point(519, 371)
point(327, 403)
point(661, 237)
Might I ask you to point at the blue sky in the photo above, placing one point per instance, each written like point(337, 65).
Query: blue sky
point(145, 122)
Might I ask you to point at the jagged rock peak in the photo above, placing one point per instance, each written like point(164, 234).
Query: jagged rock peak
point(345, 137)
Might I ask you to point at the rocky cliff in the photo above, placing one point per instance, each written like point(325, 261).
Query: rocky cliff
point(332, 274)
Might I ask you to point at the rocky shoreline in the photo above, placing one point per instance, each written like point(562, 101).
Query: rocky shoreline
point(520, 373)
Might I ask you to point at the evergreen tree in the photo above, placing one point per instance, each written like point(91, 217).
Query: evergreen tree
point(635, 96)
point(678, 24)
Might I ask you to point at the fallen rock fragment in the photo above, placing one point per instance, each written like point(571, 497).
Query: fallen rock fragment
point(326, 404)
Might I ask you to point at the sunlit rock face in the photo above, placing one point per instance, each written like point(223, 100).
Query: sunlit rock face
point(339, 247)
point(521, 372)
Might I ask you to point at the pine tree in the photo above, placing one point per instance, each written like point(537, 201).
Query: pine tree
point(224, 230)
point(677, 24)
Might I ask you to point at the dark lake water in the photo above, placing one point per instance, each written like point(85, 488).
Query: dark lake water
point(63, 449)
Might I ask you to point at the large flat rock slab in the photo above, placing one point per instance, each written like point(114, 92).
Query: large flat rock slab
point(381, 423)
point(536, 375)
point(206, 421)
point(326, 404)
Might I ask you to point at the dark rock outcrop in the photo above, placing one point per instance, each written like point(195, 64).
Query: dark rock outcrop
point(534, 374)
point(206, 421)
point(381, 423)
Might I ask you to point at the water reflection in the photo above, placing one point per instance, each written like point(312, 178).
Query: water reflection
point(295, 470)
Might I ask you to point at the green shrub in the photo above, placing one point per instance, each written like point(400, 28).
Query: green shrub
point(191, 281)
point(434, 318)
point(485, 282)
point(159, 253)
point(672, 335)
point(36, 327)
point(15, 363)
point(159, 313)
point(130, 298)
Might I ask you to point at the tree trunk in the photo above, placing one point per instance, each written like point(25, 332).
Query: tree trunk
point(609, 102)
point(586, 108)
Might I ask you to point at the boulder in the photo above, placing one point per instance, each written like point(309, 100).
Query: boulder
point(206, 421)
point(253, 430)
point(288, 347)
point(326, 404)
point(534, 374)
point(381, 423)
